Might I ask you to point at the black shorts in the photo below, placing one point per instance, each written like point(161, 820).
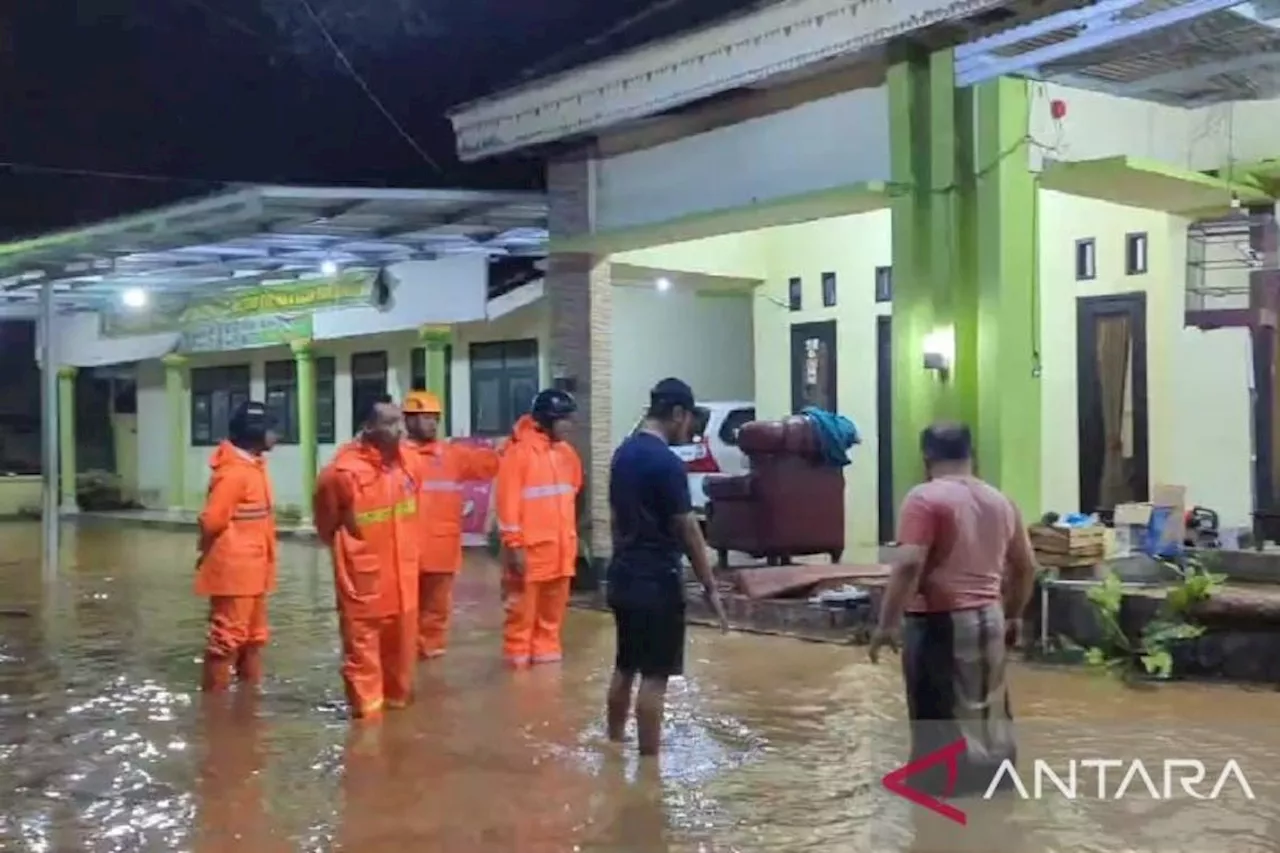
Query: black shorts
point(650, 640)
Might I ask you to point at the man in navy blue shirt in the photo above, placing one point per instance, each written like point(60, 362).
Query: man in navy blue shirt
point(653, 525)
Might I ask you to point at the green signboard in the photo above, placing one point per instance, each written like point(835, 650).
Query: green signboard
point(267, 330)
point(357, 287)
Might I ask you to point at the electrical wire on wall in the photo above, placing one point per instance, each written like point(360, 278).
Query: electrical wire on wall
point(1022, 146)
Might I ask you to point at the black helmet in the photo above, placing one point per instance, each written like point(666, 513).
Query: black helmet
point(249, 423)
point(551, 405)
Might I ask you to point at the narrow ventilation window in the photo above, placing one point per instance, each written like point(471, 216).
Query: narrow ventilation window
point(1086, 260)
point(794, 301)
point(1135, 254)
point(884, 284)
point(828, 289)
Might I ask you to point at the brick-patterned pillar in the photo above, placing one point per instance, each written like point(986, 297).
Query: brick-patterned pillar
point(578, 291)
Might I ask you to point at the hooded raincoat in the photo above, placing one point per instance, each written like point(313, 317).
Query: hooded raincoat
point(441, 469)
point(537, 490)
point(237, 564)
point(366, 511)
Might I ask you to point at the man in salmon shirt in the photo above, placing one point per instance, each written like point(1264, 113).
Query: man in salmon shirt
point(237, 564)
point(442, 467)
point(960, 582)
point(366, 511)
point(538, 483)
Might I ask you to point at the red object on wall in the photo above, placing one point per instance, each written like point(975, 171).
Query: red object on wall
point(1057, 108)
point(477, 502)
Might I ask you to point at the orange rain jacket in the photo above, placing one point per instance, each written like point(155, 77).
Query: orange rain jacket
point(441, 468)
point(538, 485)
point(366, 512)
point(237, 527)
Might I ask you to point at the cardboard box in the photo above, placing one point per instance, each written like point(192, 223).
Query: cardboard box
point(1156, 528)
point(1130, 522)
point(1170, 533)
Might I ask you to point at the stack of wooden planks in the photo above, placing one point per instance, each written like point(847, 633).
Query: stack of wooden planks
point(1068, 547)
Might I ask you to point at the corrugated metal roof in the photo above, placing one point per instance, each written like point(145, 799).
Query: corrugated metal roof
point(1226, 55)
point(269, 233)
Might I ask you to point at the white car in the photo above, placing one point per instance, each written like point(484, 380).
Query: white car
point(714, 449)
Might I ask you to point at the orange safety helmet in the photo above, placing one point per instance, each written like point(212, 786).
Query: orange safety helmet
point(422, 403)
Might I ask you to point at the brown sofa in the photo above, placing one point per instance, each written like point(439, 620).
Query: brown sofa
point(790, 503)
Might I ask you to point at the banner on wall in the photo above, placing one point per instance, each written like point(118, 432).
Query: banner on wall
point(353, 287)
point(477, 503)
point(247, 333)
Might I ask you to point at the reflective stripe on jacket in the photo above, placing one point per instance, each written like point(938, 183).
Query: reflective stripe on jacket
point(366, 511)
point(237, 527)
point(441, 468)
point(537, 490)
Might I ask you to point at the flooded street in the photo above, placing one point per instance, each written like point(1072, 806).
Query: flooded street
point(772, 744)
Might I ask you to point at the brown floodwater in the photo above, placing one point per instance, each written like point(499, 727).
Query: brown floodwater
point(772, 744)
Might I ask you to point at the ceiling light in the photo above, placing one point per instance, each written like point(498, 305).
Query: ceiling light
point(663, 284)
point(329, 268)
point(134, 297)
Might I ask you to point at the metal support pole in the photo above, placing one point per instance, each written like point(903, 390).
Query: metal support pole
point(1044, 616)
point(49, 431)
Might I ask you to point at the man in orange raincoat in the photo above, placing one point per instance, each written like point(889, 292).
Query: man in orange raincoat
point(538, 483)
point(441, 469)
point(237, 564)
point(366, 511)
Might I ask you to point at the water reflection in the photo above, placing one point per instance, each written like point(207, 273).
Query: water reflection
point(230, 806)
point(771, 744)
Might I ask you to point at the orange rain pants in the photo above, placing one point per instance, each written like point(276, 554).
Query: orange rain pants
point(534, 615)
point(237, 565)
point(366, 511)
point(435, 609)
point(237, 632)
point(538, 483)
point(378, 657)
point(442, 468)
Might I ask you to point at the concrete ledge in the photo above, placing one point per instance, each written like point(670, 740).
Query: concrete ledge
point(1248, 566)
point(776, 617)
point(1241, 643)
point(19, 493)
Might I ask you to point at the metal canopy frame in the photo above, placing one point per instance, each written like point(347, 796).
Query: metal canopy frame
point(243, 237)
point(258, 234)
point(1186, 53)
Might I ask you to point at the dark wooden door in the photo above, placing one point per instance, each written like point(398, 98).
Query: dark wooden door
point(884, 427)
point(1111, 339)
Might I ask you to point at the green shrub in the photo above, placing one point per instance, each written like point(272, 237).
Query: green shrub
point(98, 491)
point(1152, 653)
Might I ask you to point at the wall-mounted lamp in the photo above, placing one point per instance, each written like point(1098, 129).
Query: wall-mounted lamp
point(134, 297)
point(663, 284)
point(940, 350)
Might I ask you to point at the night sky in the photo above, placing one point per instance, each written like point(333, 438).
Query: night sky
point(215, 91)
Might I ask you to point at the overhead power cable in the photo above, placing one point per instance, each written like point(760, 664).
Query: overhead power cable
point(360, 81)
point(557, 61)
point(71, 171)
